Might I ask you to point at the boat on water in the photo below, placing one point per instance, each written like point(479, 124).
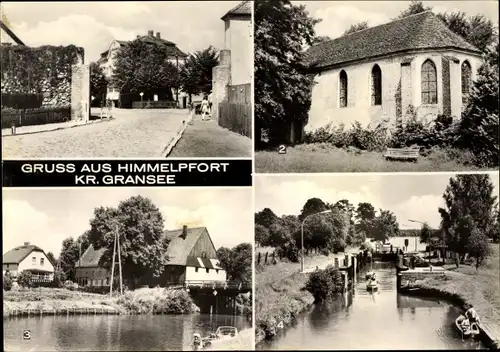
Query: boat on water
point(469, 331)
point(223, 333)
point(372, 285)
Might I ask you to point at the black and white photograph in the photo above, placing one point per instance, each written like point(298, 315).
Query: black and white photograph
point(376, 86)
point(127, 269)
point(377, 262)
point(127, 79)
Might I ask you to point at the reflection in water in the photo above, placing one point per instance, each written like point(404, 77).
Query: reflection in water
point(112, 332)
point(375, 320)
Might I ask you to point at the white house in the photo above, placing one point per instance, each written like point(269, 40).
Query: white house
point(192, 258)
point(28, 257)
point(378, 73)
point(7, 36)
point(108, 57)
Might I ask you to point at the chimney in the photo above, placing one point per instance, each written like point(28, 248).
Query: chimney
point(26, 243)
point(184, 231)
point(158, 35)
point(151, 33)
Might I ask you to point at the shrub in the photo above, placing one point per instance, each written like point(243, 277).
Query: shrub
point(24, 278)
point(7, 281)
point(157, 301)
point(325, 284)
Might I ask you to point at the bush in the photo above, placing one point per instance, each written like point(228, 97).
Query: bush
point(325, 284)
point(24, 278)
point(157, 301)
point(7, 281)
point(22, 100)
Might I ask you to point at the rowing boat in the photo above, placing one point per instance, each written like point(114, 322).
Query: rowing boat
point(468, 331)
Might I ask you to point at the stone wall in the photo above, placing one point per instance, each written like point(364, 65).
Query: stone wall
point(80, 92)
point(221, 78)
point(45, 70)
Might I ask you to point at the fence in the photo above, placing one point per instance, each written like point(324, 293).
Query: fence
point(236, 113)
point(31, 117)
point(236, 118)
point(267, 258)
point(154, 104)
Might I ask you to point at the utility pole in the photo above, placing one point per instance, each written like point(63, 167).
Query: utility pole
point(119, 259)
point(116, 248)
point(112, 268)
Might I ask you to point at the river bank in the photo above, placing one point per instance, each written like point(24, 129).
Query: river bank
point(55, 301)
point(468, 285)
point(280, 295)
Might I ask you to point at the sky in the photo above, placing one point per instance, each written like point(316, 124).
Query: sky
point(337, 16)
point(93, 25)
point(415, 197)
point(45, 217)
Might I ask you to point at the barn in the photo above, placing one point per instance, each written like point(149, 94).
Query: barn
point(192, 259)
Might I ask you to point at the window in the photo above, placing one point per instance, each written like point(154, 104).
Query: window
point(343, 89)
point(208, 270)
point(41, 261)
point(196, 269)
point(203, 255)
point(33, 260)
point(429, 83)
point(466, 80)
point(376, 85)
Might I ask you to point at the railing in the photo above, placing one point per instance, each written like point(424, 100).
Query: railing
point(41, 278)
point(215, 285)
point(31, 117)
point(154, 104)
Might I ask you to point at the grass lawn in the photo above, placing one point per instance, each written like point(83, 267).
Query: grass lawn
point(324, 158)
point(208, 139)
point(480, 287)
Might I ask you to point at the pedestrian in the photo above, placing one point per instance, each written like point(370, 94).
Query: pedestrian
point(196, 342)
point(204, 108)
point(191, 113)
point(210, 104)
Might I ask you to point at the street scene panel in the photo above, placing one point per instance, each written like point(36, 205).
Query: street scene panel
point(341, 260)
point(160, 79)
point(376, 86)
point(127, 269)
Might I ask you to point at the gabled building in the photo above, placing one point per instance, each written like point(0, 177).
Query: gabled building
point(108, 58)
point(31, 258)
point(379, 73)
point(192, 258)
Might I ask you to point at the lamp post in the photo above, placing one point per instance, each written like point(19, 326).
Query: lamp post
point(302, 237)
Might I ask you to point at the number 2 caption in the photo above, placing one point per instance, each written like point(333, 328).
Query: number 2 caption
point(282, 149)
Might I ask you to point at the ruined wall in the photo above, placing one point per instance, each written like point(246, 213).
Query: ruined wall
point(221, 78)
point(80, 92)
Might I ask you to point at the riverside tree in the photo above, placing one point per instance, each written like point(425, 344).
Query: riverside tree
point(70, 254)
point(384, 226)
point(144, 67)
point(282, 29)
point(469, 209)
point(237, 262)
point(139, 225)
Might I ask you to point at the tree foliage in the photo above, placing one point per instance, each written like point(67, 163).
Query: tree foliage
point(356, 28)
point(385, 226)
point(325, 284)
point(196, 74)
point(144, 67)
point(70, 254)
point(480, 123)
point(282, 29)
point(7, 281)
point(469, 215)
point(24, 278)
point(139, 225)
point(98, 81)
point(415, 7)
point(237, 262)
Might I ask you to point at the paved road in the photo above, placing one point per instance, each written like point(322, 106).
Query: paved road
point(133, 133)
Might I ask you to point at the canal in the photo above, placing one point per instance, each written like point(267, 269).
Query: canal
point(382, 320)
point(113, 332)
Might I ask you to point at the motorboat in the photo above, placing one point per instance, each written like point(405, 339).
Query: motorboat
point(470, 331)
point(372, 285)
point(223, 333)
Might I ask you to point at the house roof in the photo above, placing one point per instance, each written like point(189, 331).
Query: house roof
point(178, 250)
point(420, 31)
point(18, 254)
point(243, 9)
point(172, 48)
point(10, 33)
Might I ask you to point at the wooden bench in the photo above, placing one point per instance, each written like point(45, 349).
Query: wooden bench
point(410, 154)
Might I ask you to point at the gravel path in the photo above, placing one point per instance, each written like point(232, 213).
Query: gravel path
point(132, 133)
